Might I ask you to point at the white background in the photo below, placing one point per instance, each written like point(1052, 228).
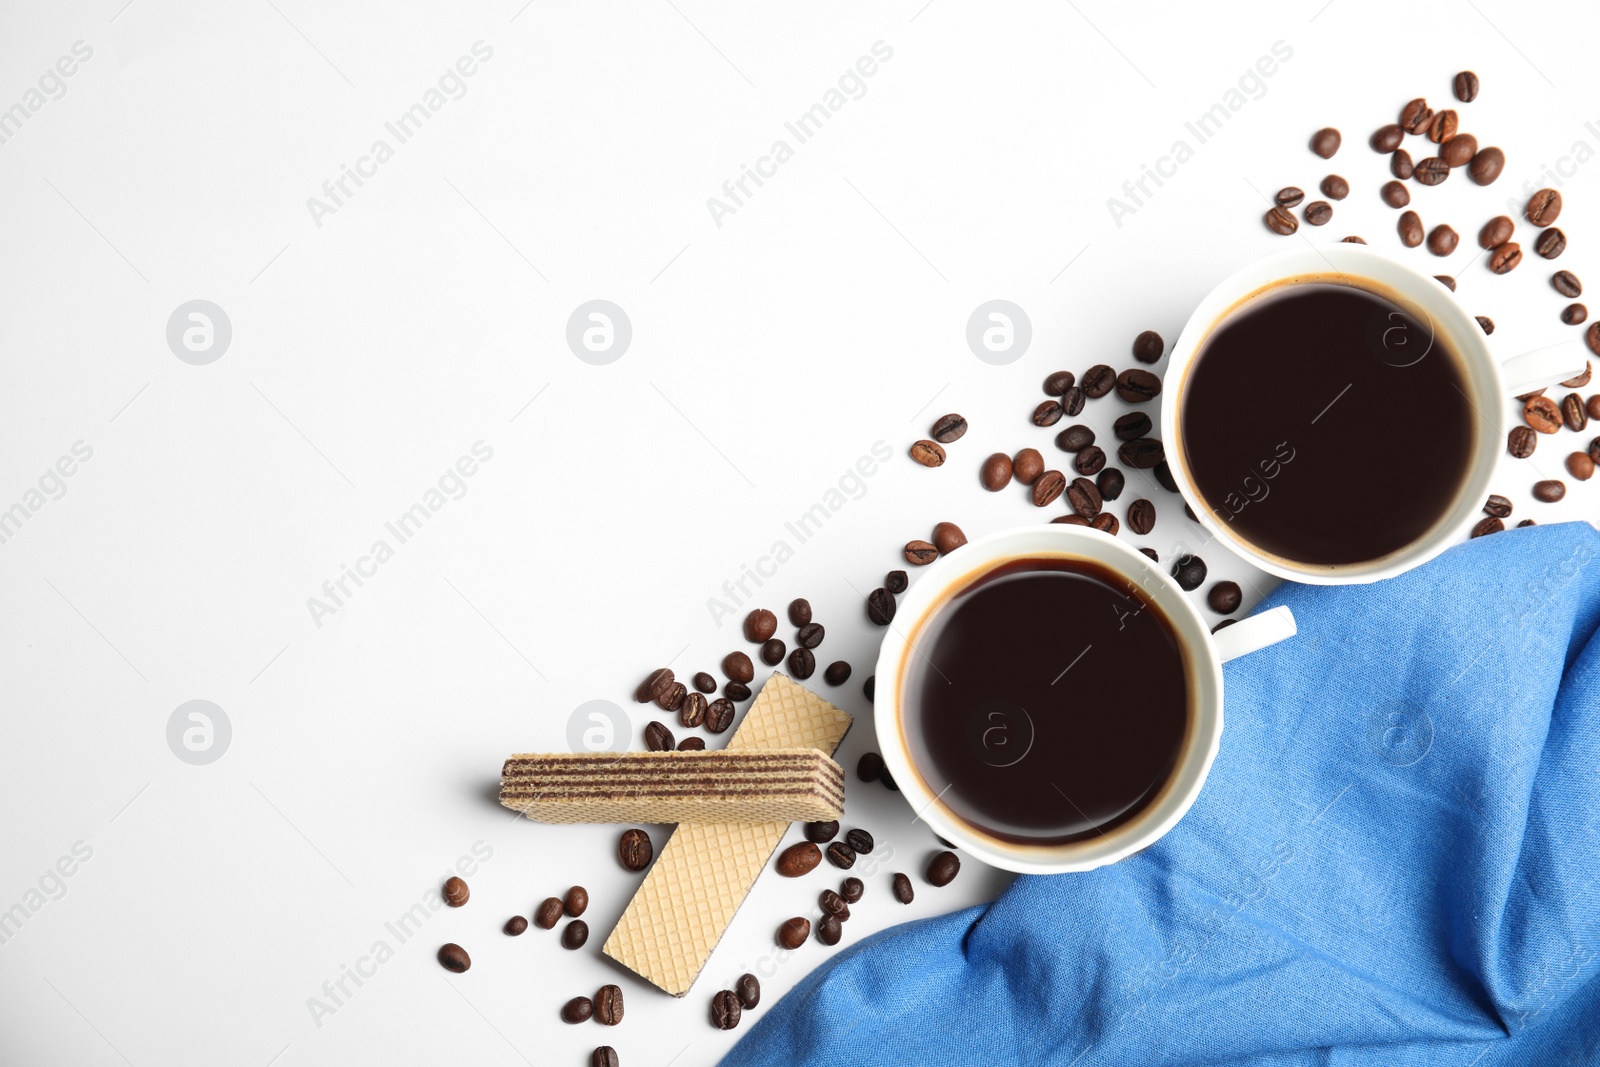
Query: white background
point(429, 313)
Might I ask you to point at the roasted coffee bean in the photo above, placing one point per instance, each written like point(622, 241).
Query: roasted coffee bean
point(1498, 506)
point(1190, 571)
point(802, 663)
point(1106, 522)
point(1543, 414)
point(516, 926)
point(1567, 284)
point(1084, 497)
point(1387, 138)
point(1110, 482)
point(838, 672)
point(841, 855)
point(736, 691)
point(1415, 116)
point(830, 930)
point(799, 611)
point(748, 990)
point(1280, 221)
point(725, 1009)
point(1466, 87)
point(810, 635)
point(1225, 598)
point(1594, 448)
point(1394, 194)
point(608, 1005)
point(1446, 281)
point(1072, 401)
point(1550, 490)
point(920, 553)
point(888, 780)
point(869, 767)
point(1047, 413)
point(880, 607)
point(1432, 171)
point(453, 957)
point(772, 652)
point(576, 901)
point(1164, 477)
point(793, 933)
point(903, 892)
point(1504, 260)
point(1142, 453)
point(1410, 229)
point(577, 1010)
point(1318, 212)
point(947, 537)
point(1544, 207)
point(759, 625)
point(1582, 379)
point(1148, 346)
point(692, 712)
point(1487, 526)
point(1187, 510)
point(657, 738)
point(1137, 386)
point(1047, 487)
point(574, 934)
point(1075, 438)
point(455, 892)
point(1485, 323)
point(737, 666)
point(1591, 337)
point(927, 453)
point(1353, 240)
point(1099, 380)
point(1496, 232)
point(634, 850)
point(1401, 166)
point(1089, 461)
point(995, 474)
point(1325, 142)
point(1442, 241)
point(1133, 425)
point(1526, 522)
point(1593, 407)
point(1027, 465)
point(1443, 126)
point(604, 1056)
point(1071, 518)
point(1289, 196)
point(832, 903)
point(1155, 557)
point(1573, 314)
point(851, 889)
point(548, 913)
point(1581, 466)
point(860, 840)
point(1573, 413)
point(1141, 516)
point(652, 687)
point(1486, 165)
point(943, 868)
point(799, 858)
point(821, 832)
point(672, 699)
point(720, 712)
point(1521, 442)
point(692, 744)
point(705, 683)
point(1059, 382)
point(1459, 150)
point(948, 428)
point(1551, 243)
point(1335, 187)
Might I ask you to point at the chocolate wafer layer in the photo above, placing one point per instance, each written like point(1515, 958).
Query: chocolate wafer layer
point(777, 785)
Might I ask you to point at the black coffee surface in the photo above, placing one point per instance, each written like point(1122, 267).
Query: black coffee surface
point(1320, 424)
point(1047, 700)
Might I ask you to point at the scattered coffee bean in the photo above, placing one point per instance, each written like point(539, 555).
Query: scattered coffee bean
point(1387, 138)
point(832, 903)
point(548, 913)
point(1401, 166)
point(995, 474)
point(516, 926)
point(759, 625)
point(672, 699)
point(705, 683)
point(1567, 284)
point(1581, 466)
point(1573, 314)
point(1141, 516)
point(927, 453)
point(1443, 126)
point(1133, 425)
point(1521, 442)
point(748, 989)
point(947, 537)
point(1099, 380)
point(1442, 241)
point(1485, 323)
point(1137, 386)
point(772, 652)
point(692, 744)
point(1415, 116)
point(1504, 260)
point(1544, 207)
point(1466, 87)
point(1432, 171)
point(802, 663)
point(920, 553)
point(1110, 482)
point(1446, 281)
point(903, 892)
point(838, 673)
point(692, 712)
point(821, 832)
point(1155, 557)
point(860, 840)
point(1090, 460)
point(725, 1010)
point(1143, 453)
point(652, 687)
point(810, 635)
point(869, 767)
point(1335, 187)
point(1395, 195)
point(577, 1010)
point(942, 869)
point(1072, 518)
point(455, 892)
point(737, 667)
point(1047, 414)
point(1487, 526)
point(576, 902)
point(1325, 142)
point(1594, 449)
point(793, 933)
point(896, 581)
point(657, 738)
point(830, 930)
point(880, 610)
point(1591, 337)
point(1582, 379)
point(799, 858)
point(1072, 400)
point(799, 611)
point(1496, 232)
point(1526, 522)
point(1106, 522)
point(851, 889)
point(574, 934)
point(1280, 221)
point(1410, 229)
point(608, 1005)
point(948, 428)
point(720, 712)
point(1190, 571)
point(1083, 496)
point(1459, 150)
point(1593, 407)
point(1486, 166)
point(1027, 465)
point(1318, 212)
point(841, 855)
point(1498, 506)
point(1551, 243)
point(888, 780)
point(1164, 477)
point(1550, 490)
point(1289, 196)
point(1059, 382)
point(1225, 598)
point(1353, 240)
point(604, 1056)
point(1148, 346)
point(1543, 414)
point(1075, 438)
point(1573, 413)
point(1047, 487)
point(453, 957)
point(634, 850)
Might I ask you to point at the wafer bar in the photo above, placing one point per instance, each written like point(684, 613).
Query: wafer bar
point(707, 869)
point(780, 785)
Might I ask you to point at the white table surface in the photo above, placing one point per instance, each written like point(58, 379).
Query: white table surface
point(208, 904)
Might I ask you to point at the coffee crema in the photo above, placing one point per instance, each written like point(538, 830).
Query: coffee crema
point(1324, 424)
point(1046, 701)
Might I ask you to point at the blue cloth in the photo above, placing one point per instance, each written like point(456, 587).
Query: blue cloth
point(1396, 861)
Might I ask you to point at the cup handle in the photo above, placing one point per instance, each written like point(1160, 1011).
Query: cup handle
point(1543, 367)
point(1254, 633)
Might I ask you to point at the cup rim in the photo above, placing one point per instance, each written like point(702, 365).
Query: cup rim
point(1202, 662)
point(1481, 369)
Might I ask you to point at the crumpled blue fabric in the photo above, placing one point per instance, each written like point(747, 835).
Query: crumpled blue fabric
point(1395, 860)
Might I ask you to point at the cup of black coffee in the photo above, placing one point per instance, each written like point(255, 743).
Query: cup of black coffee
point(1050, 700)
point(1336, 417)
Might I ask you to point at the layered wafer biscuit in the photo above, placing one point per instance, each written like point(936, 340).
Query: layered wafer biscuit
point(707, 869)
point(777, 785)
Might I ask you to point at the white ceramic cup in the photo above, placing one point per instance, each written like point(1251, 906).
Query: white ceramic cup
point(1203, 655)
point(1490, 381)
